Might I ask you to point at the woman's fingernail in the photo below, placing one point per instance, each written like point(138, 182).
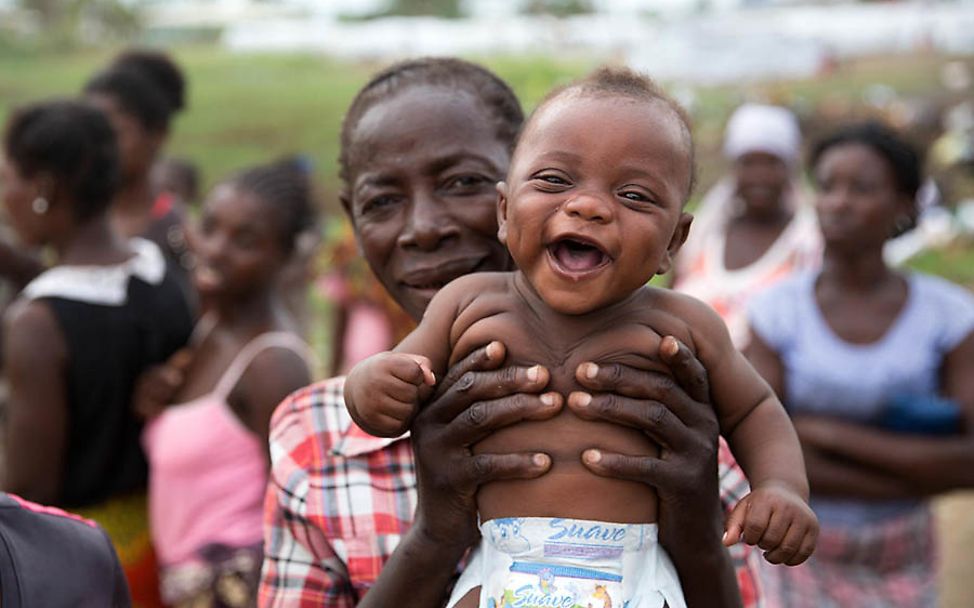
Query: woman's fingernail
point(533, 373)
point(540, 460)
point(493, 350)
point(583, 399)
point(723, 538)
point(591, 371)
point(548, 399)
point(593, 456)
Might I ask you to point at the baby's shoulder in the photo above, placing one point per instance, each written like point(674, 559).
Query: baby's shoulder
point(686, 318)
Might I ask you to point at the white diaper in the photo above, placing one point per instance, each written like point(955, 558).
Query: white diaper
point(543, 562)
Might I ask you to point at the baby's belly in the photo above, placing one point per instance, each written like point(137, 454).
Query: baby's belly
point(569, 489)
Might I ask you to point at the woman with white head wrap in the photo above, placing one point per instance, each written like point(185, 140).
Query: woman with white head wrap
point(752, 228)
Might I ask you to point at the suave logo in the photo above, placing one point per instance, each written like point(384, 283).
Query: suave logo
point(599, 532)
point(527, 596)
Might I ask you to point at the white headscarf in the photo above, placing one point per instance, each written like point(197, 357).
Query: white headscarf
point(763, 128)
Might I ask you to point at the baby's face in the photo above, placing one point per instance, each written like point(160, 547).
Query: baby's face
point(594, 203)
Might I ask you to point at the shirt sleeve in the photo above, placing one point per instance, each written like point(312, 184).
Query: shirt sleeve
point(953, 306)
point(300, 566)
point(771, 314)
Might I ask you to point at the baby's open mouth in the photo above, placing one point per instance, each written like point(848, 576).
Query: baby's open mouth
point(576, 255)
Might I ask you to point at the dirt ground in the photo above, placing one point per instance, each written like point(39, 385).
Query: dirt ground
point(955, 518)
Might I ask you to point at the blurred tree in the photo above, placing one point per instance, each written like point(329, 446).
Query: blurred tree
point(438, 8)
point(69, 22)
point(559, 8)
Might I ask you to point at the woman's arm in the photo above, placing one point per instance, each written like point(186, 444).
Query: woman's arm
point(273, 374)
point(849, 459)
point(36, 358)
point(474, 399)
point(675, 412)
point(831, 477)
point(928, 464)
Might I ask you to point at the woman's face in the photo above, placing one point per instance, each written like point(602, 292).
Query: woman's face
point(18, 194)
point(421, 194)
point(858, 201)
point(762, 179)
point(137, 146)
point(238, 251)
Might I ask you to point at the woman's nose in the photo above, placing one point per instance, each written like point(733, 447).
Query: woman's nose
point(428, 224)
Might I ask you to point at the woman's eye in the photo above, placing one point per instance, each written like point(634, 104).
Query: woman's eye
point(379, 203)
point(466, 183)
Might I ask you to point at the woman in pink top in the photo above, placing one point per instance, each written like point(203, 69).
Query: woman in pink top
point(753, 228)
point(210, 405)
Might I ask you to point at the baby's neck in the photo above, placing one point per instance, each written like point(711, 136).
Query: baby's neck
point(535, 301)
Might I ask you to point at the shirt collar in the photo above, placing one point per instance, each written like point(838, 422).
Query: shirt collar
point(356, 442)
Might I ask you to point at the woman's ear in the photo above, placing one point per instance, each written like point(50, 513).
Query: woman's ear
point(502, 190)
point(679, 237)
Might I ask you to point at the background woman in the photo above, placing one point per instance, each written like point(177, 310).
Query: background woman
point(875, 367)
point(82, 332)
point(208, 451)
point(141, 92)
point(753, 228)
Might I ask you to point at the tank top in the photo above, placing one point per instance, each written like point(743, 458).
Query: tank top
point(117, 320)
point(208, 471)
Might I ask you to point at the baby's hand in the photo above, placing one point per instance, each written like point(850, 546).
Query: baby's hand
point(383, 392)
point(776, 519)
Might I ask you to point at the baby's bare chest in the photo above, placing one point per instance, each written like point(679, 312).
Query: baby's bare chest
point(562, 343)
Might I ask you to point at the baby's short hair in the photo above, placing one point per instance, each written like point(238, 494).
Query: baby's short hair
point(611, 81)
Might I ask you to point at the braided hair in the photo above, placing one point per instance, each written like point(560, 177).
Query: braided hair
point(284, 187)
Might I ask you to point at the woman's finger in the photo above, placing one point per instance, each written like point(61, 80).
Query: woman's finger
point(481, 419)
point(658, 473)
point(641, 385)
point(484, 468)
point(484, 358)
point(478, 386)
point(687, 370)
point(650, 417)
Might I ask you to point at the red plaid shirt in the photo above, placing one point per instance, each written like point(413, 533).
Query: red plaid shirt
point(339, 500)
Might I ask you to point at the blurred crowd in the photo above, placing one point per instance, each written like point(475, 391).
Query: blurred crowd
point(151, 330)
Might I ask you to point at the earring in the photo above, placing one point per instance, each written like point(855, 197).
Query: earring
point(40, 205)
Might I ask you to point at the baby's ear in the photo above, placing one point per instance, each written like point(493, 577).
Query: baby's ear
point(502, 212)
point(679, 237)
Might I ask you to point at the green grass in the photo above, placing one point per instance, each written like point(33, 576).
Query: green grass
point(250, 108)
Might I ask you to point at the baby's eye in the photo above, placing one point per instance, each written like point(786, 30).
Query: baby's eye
point(550, 180)
point(635, 196)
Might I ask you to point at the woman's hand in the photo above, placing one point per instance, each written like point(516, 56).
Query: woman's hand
point(675, 412)
point(476, 398)
point(157, 386)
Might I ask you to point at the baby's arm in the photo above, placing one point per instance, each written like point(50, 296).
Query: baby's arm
point(383, 392)
point(775, 515)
